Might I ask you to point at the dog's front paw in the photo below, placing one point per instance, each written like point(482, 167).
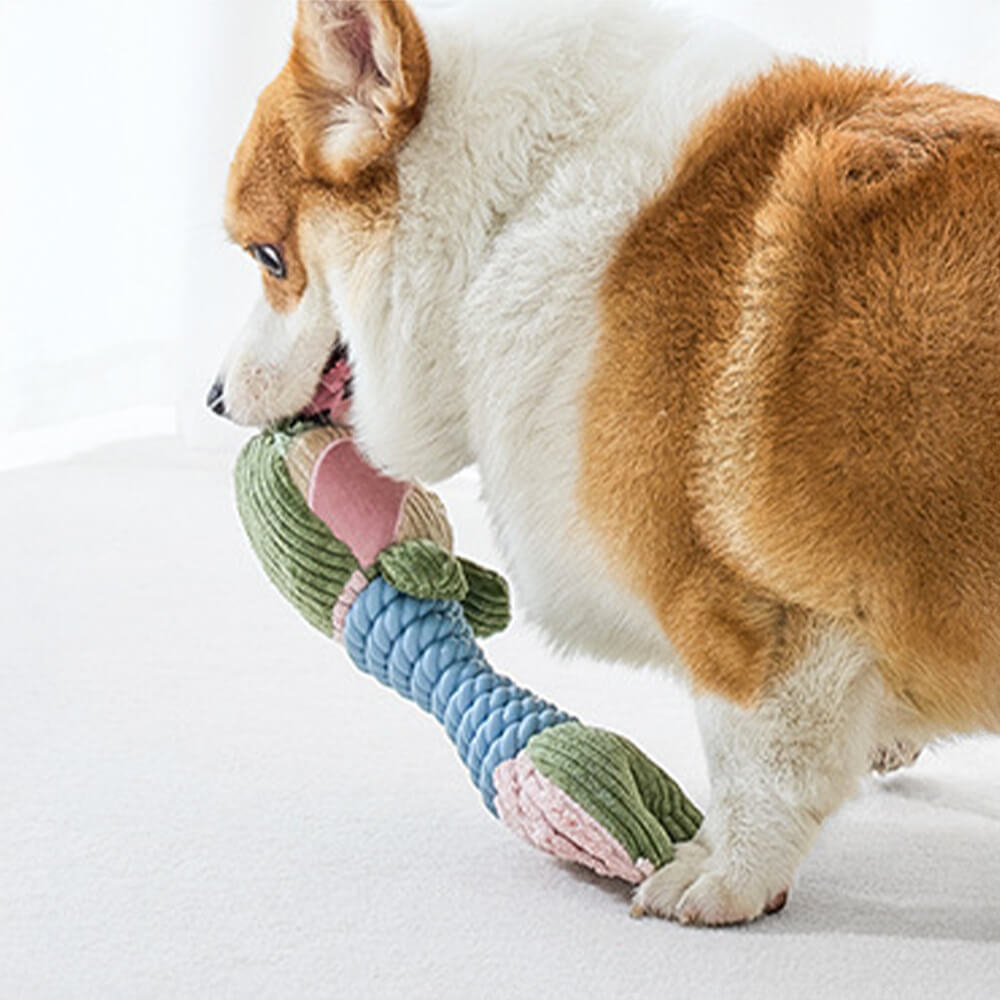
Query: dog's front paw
point(698, 887)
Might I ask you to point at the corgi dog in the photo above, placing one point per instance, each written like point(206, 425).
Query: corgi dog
point(721, 331)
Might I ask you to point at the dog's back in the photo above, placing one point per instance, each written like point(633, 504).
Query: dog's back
point(827, 266)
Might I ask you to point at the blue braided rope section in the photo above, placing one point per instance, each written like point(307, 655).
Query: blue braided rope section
point(426, 651)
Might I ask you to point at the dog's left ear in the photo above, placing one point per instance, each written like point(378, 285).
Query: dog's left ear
point(362, 70)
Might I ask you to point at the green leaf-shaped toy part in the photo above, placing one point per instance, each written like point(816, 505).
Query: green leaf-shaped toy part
point(297, 550)
point(635, 800)
point(422, 569)
point(487, 604)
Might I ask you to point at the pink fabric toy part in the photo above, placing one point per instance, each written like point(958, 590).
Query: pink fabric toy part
point(356, 502)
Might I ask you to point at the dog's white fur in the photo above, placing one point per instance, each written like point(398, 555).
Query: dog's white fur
point(776, 773)
point(471, 328)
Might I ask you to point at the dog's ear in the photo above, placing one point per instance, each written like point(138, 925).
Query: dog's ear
point(362, 70)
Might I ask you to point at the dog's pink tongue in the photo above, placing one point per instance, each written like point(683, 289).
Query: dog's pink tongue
point(333, 396)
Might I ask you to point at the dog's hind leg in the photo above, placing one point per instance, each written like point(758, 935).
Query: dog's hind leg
point(778, 770)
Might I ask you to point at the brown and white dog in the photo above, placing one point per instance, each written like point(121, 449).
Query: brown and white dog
point(722, 333)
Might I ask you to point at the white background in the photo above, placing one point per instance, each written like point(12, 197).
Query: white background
point(119, 293)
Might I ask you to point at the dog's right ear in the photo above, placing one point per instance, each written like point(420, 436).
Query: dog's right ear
point(362, 71)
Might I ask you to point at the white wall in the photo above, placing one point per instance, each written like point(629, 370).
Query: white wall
point(119, 292)
point(951, 40)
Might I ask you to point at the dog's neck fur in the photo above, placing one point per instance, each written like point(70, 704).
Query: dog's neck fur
point(509, 110)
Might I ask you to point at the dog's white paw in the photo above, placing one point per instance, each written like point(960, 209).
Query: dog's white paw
point(697, 887)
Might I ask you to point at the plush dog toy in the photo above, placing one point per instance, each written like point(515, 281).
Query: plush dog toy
point(368, 560)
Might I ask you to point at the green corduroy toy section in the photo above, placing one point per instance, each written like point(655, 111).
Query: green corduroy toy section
point(368, 560)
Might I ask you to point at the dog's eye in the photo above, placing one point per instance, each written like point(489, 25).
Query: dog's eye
point(269, 257)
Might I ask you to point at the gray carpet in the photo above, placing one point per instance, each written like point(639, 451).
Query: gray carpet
point(202, 798)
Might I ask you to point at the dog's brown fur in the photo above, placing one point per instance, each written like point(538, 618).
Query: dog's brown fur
point(282, 174)
point(806, 327)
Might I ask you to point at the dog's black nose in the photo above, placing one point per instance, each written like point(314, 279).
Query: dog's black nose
point(214, 400)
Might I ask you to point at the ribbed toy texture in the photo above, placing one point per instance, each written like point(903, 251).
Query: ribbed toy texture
point(426, 652)
point(298, 552)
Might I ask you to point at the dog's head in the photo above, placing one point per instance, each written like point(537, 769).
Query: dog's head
point(313, 197)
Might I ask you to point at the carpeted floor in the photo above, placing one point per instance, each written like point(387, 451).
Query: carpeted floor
point(200, 797)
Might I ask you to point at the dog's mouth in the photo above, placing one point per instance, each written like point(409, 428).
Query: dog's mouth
point(332, 399)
